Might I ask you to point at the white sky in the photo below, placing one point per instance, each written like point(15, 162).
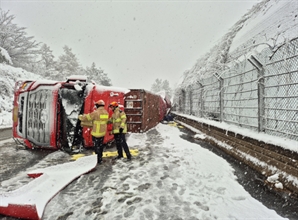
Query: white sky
point(170, 178)
point(134, 42)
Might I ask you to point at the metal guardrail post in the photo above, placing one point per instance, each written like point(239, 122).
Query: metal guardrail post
point(261, 90)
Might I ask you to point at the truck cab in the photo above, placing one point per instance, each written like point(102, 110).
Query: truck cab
point(45, 113)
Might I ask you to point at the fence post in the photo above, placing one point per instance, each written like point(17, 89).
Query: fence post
point(221, 96)
point(182, 104)
point(201, 100)
point(261, 90)
point(190, 99)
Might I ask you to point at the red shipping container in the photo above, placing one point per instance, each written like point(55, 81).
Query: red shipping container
point(144, 110)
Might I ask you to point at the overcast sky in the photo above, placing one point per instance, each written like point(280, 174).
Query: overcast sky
point(134, 42)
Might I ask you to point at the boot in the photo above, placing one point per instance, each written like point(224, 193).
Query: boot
point(129, 157)
point(117, 158)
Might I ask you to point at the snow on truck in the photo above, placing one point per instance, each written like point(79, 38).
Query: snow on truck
point(45, 113)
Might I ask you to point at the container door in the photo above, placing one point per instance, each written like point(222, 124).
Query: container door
point(133, 108)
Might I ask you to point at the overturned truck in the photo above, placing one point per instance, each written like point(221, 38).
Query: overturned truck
point(45, 113)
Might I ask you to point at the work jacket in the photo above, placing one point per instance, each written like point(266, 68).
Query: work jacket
point(99, 119)
point(119, 121)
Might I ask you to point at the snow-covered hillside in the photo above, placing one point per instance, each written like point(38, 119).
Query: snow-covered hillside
point(269, 23)
point(8, 76)
point(274, 24)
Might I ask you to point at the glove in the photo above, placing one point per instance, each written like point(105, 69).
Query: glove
point(80, 117)
point(121, 130)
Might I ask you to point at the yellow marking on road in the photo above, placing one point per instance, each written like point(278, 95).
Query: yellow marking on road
point(175, 125)
point(77, 156)
point(114, 153)
point(134, 152)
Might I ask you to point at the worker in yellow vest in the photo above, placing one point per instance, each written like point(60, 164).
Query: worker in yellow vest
point(99, 119)
point(119, 130)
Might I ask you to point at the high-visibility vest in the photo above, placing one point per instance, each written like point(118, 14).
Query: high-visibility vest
point(99, 119)
point(119, 121)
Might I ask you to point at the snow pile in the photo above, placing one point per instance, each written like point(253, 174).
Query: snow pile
point(274, 180)
point(8, 76)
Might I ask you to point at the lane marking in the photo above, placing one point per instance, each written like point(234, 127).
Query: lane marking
point(105, 154)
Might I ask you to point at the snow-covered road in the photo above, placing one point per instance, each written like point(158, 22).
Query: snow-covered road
point(171, 178)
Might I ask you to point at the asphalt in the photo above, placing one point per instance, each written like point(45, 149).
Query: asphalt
point(5, 133)
point(15, 160)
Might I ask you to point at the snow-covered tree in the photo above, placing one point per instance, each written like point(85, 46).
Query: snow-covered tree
point(47, 57)
point(156, 86)
point(67, 65)
point(21, 48)
point(44, 64)
point(4, 56)
point(97, 75)
point(162, 85)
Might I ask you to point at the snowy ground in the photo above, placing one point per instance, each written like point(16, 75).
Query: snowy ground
point(5, 119)
point(171, 178)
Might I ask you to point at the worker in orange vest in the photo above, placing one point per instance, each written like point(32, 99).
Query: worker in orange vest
point(99, 119)
point(118, 119)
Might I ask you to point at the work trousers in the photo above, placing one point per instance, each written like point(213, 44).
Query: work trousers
point(122, 145)
point(98, 147)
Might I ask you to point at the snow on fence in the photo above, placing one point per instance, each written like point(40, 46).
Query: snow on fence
point(259, 93)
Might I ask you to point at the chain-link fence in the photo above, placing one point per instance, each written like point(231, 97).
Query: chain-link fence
point(259, 93)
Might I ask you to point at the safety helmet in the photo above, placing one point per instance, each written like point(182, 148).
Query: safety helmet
point(100, 103)
point(114, 104)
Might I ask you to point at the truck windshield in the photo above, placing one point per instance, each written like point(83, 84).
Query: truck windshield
point(72, 104)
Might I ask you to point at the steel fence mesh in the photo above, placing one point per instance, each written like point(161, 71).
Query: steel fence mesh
point(210, 96)
point(241, 96)
point(197, 93)
point(281, 87)
point(188, 102)
point(273, 109)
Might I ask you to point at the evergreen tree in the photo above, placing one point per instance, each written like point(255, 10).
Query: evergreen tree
point(45, 66)
point(97, 75)
point(67, 65)
point(47, 57)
